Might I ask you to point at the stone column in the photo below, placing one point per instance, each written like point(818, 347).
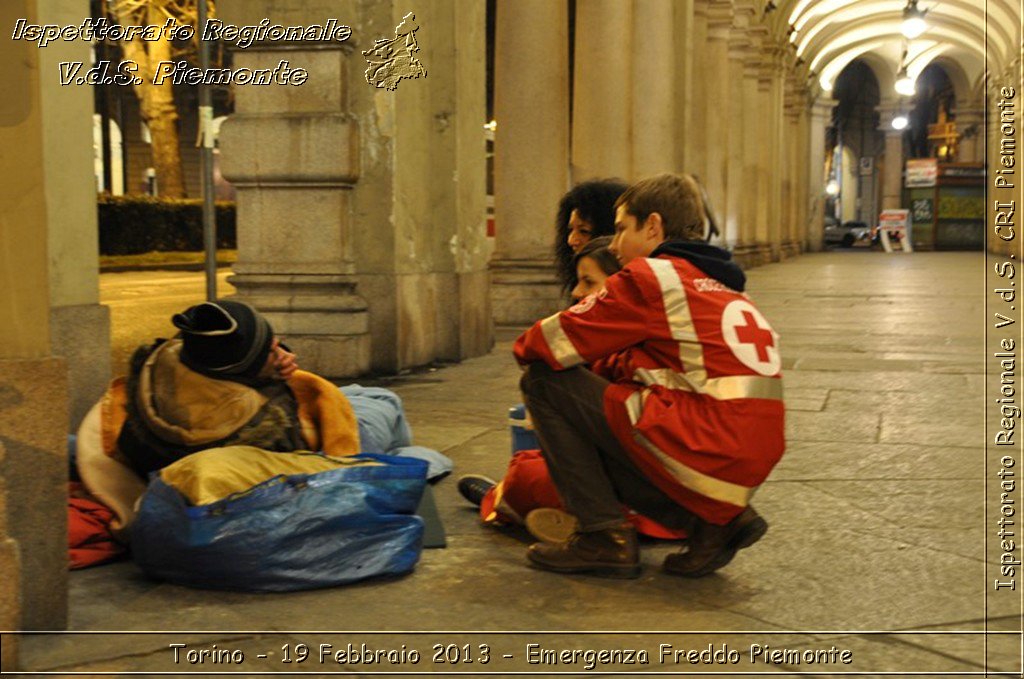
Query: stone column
point(654, 79)
point(755, 203)
point(462, 203)
point(802, 177)
point(793, 161)
point(820, 118)
point(741, 203)
point(419, 230)
point(970, 124)
point(721, 131)
point(787, 198)
point(386, 268)
point(292, 153)
point(892, 162)
point(690, 40)
point(531, 155)
point(79, 324)
point(763, 150)
point(771, 81)
point(602, 110)
point(33, 382)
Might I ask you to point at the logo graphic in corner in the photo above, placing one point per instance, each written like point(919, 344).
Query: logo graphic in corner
point(392, 60)
point(750, 337)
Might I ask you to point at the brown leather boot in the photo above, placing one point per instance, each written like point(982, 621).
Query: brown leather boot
point(611, 553)
point(713, 546)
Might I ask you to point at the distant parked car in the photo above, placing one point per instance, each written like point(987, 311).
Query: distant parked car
point(845, 234)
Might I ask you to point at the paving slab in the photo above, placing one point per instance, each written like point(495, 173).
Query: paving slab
point(832, 426)
point(878, 381)
point(822, 460)
point(957, 403)
point(931, 428)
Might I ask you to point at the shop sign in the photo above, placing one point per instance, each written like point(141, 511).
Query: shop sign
point(922, 172)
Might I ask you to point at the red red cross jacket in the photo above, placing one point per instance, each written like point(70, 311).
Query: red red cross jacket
point(696, 394)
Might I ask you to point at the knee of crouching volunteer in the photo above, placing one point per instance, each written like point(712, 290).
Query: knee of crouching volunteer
point(532, 377)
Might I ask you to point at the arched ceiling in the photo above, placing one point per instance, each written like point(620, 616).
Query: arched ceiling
point(828, 34)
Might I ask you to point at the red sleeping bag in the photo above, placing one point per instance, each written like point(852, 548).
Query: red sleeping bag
point(528, 486)
point(89, 538)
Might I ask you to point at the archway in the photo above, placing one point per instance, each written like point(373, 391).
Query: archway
point(855, 142)
point(934, 101)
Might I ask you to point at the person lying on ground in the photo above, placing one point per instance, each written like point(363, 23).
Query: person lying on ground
point(687, 421)
point(225, 380)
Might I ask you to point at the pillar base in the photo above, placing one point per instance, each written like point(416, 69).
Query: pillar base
point(320, 317)
point(749, 255)
point(476, 322)
point(332, 356)
point(524, 291)
point(33, 479)
point(790, 248)
point(81, 335)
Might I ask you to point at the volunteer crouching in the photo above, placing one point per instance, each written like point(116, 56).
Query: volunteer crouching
point(681, 417)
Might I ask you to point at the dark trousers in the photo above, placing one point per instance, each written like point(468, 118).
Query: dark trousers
point(590, 468)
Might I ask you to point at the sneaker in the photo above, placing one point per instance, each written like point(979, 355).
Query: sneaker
point(610, 553)
point(474, 487)
point(713, 546)
point(548, 524)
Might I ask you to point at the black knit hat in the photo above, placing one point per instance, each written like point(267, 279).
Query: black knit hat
point(224, 338)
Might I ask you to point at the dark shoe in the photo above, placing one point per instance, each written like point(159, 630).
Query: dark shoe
point(713, 546)
point(611, 553)
point(474, 486)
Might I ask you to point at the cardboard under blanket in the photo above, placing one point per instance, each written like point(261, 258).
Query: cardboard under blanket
point(433, 528)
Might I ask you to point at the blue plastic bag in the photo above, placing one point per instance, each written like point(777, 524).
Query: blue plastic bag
point(290, 532)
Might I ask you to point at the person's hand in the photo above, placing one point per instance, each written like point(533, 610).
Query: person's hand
point(282, 363)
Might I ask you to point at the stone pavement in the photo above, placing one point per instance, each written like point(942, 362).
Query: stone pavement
point(876, 516)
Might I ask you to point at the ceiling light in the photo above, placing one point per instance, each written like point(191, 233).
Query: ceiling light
point(905, 85)
point(900, 122)
point(913, 21)
point(832, 188)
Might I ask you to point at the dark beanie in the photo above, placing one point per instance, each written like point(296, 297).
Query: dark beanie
point(224, 338)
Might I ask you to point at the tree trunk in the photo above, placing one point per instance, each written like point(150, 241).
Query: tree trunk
point(157, 107)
